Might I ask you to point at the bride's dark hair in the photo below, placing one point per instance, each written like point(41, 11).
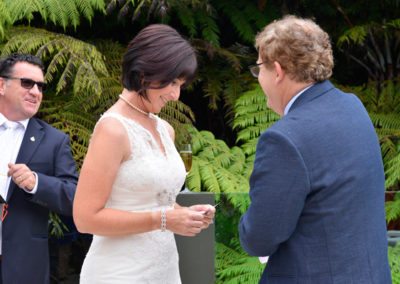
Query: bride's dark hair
point(159, 54)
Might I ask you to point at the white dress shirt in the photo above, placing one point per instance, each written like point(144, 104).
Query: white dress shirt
point(11, 136)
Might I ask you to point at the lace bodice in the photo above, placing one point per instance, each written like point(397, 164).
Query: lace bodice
point(148, 180)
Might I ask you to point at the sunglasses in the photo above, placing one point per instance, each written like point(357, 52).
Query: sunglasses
point(255, 69)
point(29, 83)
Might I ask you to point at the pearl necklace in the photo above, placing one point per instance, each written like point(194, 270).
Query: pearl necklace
point(133, 106)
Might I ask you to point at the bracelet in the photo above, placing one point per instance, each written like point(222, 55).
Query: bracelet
point(163, 220)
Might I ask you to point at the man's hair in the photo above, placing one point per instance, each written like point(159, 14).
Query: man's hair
point(158, 53)
point(300, 46)
point(7, 63)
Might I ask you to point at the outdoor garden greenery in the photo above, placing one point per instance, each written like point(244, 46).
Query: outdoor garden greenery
point(224, 111)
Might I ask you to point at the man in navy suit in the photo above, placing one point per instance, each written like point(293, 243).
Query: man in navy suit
point(37, 172)
point(317, 187)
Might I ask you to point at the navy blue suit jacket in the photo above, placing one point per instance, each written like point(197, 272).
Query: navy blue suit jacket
point(317, 195)
point(25, 255)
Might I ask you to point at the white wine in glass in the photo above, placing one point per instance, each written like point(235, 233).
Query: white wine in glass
point(186, 155)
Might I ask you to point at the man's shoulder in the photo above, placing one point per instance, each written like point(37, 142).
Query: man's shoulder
point(46, 127)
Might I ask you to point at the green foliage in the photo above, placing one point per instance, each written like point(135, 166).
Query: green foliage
point(383, 105)
point(246, 18)
point(198, 17)
point(222, 78)
point(356, 35)
point(377, 44)
point(394, 261)
point(234, 266)
point(75, 71)
point(252, 117)
point(76, 65)
point(5, 19)
point(393, 208)
point(59, 12)
point(217, 168)
point(69, 118)
point(57, 227)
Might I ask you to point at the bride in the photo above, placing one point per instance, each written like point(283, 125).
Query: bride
point(132, 172)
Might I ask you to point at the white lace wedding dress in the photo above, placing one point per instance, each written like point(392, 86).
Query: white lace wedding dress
point(148, 181)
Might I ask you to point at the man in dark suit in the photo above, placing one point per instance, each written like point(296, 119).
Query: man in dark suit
point(37, 171)
point(317, 187)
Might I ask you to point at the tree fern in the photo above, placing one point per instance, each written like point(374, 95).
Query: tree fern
point(5, 19)
point(69, 118)
point(71, 61)
point(186, 17)
point(252, 117)
point(59, 12)
point(240, 20)
point(217, 168)
point(234, 266)
point(376, 46)
point(223, 78)
point(384, 110)
point(394, 261)
point(393, 208)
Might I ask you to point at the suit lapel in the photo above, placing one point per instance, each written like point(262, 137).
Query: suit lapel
point(314, 92)
point(32, 138)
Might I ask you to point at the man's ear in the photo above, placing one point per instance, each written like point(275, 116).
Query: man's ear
point(280, 73)
point(2, 86)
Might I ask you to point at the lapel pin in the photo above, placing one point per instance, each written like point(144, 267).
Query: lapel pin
point(33, 139)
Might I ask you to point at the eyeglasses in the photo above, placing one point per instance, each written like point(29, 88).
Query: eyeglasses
point(29, 83)
point(255, 69)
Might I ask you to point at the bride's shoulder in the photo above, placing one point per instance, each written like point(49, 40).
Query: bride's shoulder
point(110, 124)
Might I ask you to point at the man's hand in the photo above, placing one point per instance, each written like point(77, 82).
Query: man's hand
point(22, 176)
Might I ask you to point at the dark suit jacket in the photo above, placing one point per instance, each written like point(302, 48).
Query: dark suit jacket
point(25, 256)
point(317, 195)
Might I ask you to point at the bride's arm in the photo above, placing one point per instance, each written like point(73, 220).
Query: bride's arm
point(108, 148)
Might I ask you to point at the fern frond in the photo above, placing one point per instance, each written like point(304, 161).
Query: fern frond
point(394, 262)
point(70, 61)
point(209, 28)
point(356, 35)
point(393, 171)
point(252, 117)
point(59, 12)
point(240, 20)
point(186, 16)
point(217, 168)
point(5, 19)
point(393, 208)
point(234, 266)
point(389, 122)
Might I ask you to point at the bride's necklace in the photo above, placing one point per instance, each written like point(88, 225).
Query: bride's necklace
point(133, 106)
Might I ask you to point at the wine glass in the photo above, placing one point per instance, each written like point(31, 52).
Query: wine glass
point(186, 154)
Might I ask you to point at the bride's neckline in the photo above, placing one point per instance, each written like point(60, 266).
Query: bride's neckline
point(133, 106)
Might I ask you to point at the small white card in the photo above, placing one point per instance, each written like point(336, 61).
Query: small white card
point(263, 259)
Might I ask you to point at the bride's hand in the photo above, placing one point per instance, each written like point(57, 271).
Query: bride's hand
point(184, 221)
point(208, 212)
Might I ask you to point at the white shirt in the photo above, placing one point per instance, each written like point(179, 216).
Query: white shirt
point(11, 136)
point(292, 100)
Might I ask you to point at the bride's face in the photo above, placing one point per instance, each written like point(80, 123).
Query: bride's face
point(158, 98)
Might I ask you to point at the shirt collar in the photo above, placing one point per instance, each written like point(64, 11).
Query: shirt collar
point(24, 122)
point(292, 100)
